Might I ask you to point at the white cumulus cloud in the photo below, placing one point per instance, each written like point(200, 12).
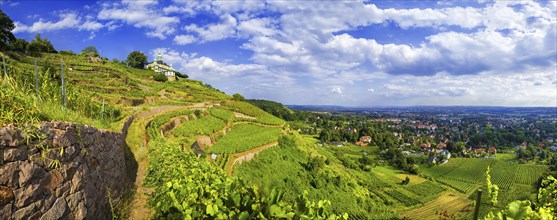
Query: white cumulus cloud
point(184, 39)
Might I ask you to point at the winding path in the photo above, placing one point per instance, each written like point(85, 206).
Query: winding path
point(258, 123)
point(137, 139)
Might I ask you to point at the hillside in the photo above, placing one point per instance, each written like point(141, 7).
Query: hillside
point(170, 129)
point(195, 151)
point(124, 91)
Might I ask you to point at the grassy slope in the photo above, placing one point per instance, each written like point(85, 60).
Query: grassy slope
point(129, 91)
point(126, 90)
point(516, 181)
point(357, 192)
point(123, 90)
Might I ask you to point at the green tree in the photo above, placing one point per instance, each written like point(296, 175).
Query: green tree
point(136, 59)
point(182, 75)
point(19, 45)
point(90, 50)
point(66, 52)
point(40, 45)
point(406, 181)
point(325, 136)
point(237, 97)
point(6, 27)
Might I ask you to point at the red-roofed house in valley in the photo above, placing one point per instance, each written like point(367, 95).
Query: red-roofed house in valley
point(441, 145)
point(425, 145)
point(365, 139)
point(492, 150)
point(361, 144)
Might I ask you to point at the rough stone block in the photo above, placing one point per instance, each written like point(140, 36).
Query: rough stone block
point(25, 212)
point(68, 170)
point(10, 136)
point(6, 211)
point(15, 153)
point(27, 195)
point(57, 211)
point(81, 211)
point(52, 180)
point(29, 172)
point(63, 190)
point(46, 203)
point(74, 199)
point(10, 174)
point(65, 138)
point(6, 195)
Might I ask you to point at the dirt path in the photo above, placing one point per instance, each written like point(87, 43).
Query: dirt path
point(257, 123)
point(137, 141)
point(238, 158)
point(241, 115)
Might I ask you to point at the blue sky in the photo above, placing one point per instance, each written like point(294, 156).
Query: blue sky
point(355, 53)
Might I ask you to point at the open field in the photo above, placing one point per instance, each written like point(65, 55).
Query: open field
point(395, 176)
point(243, 137)
point(205, 125)
point(252, 113)
point(446, 206)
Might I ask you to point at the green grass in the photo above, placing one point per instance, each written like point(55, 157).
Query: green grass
point(220, 113)
point(251, 110)
point(439, 170)
point(205, 125)
point(87, 85)
point(467, 174)
point(243, 137)
point(426, 191)
point(283, 167)
point(405, 198)
point(462, 174)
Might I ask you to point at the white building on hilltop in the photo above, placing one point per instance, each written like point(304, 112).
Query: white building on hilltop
point(159, 66)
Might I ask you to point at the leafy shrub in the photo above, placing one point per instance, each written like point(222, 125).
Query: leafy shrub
point(160, 78)
point(66, 52)
point(182, 75)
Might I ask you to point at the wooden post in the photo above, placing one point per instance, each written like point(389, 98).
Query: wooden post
point(36, 80)
point(102, 109)
point(63, 84)
point(5, 72)
point(478, 204)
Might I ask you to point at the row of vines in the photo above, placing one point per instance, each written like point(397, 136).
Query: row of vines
point(186, 187)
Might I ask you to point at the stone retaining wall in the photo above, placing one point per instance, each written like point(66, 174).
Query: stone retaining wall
point(60, 170)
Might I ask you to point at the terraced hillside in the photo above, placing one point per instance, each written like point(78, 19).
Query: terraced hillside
point(161, 120)
point(124, 91)
point(200, 153)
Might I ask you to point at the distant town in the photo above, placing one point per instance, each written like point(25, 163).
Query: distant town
point(441, 132)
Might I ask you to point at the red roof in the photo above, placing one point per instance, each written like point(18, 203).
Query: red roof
point(361, 144)
point(492, 150)
point(365, 139)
